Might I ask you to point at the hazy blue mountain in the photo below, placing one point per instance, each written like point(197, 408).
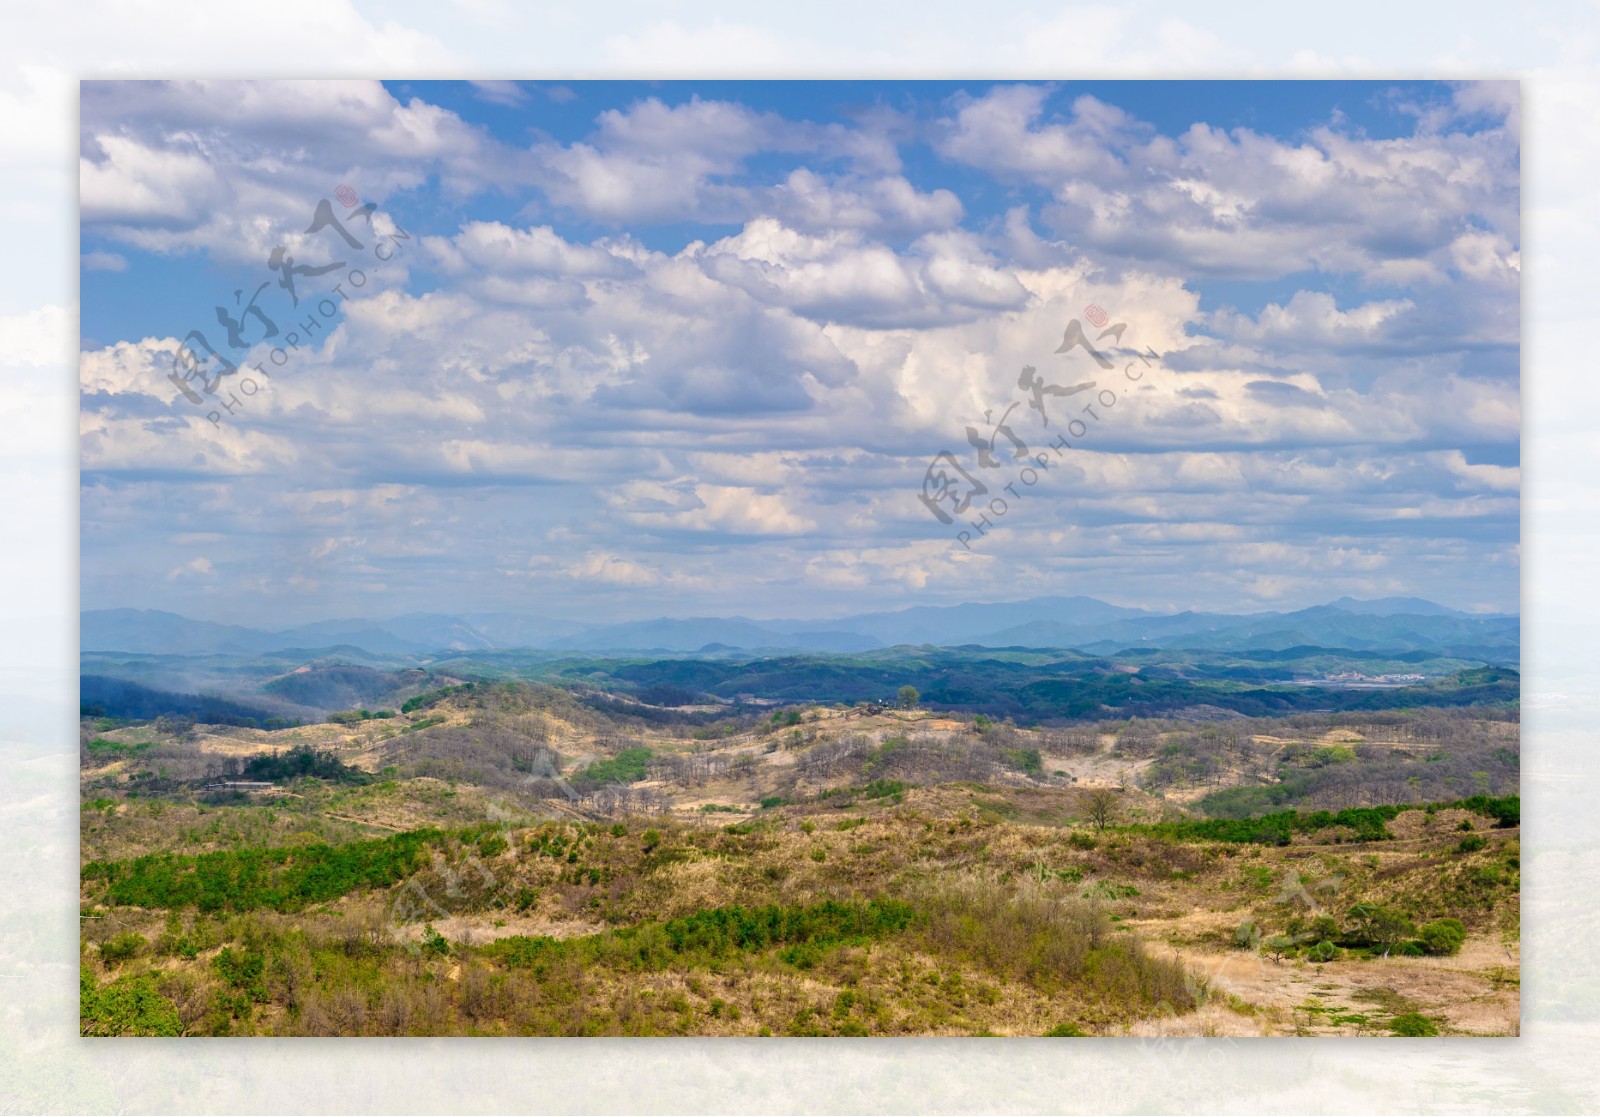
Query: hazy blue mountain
point(1389, 606)
point(1152, 629)
point(152, 630)
point(155, 632)
point(513, 630)
point(1333, 628)
point(375, 638)
point(1082, 623)
point(695, 633)
point(949, 625)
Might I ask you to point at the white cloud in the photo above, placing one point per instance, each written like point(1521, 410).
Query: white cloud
point(1238, 202)
point(758, 410)
point(39, 337)
point(199, 567)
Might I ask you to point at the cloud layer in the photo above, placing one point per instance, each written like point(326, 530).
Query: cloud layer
point(688, 353)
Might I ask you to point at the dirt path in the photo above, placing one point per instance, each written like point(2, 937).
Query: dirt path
point(1473, 993)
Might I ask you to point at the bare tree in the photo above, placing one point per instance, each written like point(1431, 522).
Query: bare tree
point(1101, 805)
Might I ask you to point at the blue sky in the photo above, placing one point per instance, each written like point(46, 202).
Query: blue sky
point(689, 348)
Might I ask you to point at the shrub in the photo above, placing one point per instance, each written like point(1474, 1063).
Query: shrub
point(628, 766)
point(129, 1006)
point(1378, 925)
point(1065, 1030)
point(302, 762)
point(1247, 936)
point(1413, 1025)
point(433, 942)
point(242, 969)
point(1027, 761)
point(710, 934)
point(119, 948)
point(1324, 951)
point(1470, 844)
point(1277, 946)
point(1443, 936)
point(102, 747)
point(882, 789)
point(1051, 942)
point(284, 879)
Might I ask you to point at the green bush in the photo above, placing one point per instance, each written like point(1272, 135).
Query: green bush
point(715, 934)
point(1413, 1025)
point(1027, 761)
point(302, 762)
point(1247, 936)
point(1066, 1030)
point(243, 970)
point(1470, 844)
point(1324, 951)
point(283, 879)
point(119, 948)
point(1378, 925)
point(1443, 936)
point(881, 789)
point(102, 747)
point(1488, 876)
point(129, 1006)
point(628, 766)
point(1278, 945)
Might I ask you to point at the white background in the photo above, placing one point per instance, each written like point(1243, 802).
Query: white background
point(1553, 48)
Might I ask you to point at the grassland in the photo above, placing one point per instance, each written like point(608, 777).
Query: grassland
point(507, 860)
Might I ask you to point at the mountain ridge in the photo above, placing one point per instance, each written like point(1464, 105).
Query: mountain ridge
point(1085, 623)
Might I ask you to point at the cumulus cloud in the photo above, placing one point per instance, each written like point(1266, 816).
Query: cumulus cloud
point(568, 380)
point(1236, 202)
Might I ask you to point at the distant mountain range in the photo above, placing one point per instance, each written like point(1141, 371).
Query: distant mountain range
point(1079, 623)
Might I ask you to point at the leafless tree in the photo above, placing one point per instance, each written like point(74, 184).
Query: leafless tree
point(1100, 805)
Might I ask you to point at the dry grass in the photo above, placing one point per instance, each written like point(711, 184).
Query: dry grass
point(1028, 919)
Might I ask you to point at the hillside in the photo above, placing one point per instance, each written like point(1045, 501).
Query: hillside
point(507, 858)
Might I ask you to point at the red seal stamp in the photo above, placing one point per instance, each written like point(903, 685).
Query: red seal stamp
point(1096, 316)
